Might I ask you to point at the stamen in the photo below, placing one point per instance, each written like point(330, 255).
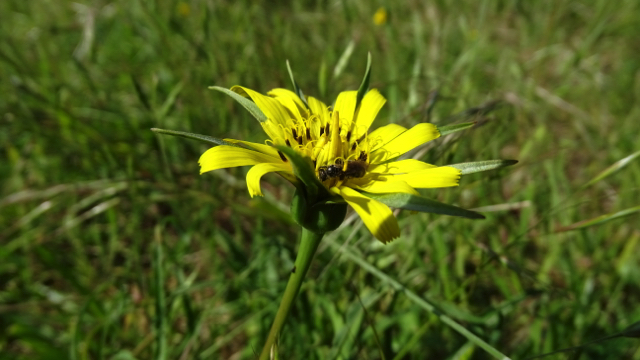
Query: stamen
point(286, 141)
point(282, 156)
point(335, 143)
point(353, 147)
point(294, 133)
point(308, 134)
point(328, 129)
point(348, 136)
point(321, 131)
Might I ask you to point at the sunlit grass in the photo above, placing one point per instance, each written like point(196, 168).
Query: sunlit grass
point(89, 193)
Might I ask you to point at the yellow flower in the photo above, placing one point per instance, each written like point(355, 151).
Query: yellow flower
point(348, 159)
point(380, 17)
point(183, 9)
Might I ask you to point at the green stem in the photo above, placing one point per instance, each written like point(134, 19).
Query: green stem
point(308, 245)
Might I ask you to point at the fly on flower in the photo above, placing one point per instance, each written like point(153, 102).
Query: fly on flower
point(338, 155)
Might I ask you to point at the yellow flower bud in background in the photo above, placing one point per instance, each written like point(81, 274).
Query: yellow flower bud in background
point(380, 17)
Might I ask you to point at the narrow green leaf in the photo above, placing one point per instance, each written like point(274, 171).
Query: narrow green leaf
point(479, 166)
point(448, 129)
point(612, 169)
point(303, 169)
point(419, 203)
point(248, 104)
point(296, 88)
point(600, 219)
point(364, 86)
point(204, 138)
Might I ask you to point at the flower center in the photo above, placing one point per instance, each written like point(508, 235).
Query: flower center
point(338, 149)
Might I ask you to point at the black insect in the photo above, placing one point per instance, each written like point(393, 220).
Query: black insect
point(354, 169)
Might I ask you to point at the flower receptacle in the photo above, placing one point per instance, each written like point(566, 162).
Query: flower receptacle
point(319, 218)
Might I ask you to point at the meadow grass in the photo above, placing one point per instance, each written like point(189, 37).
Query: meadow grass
point(112, 246)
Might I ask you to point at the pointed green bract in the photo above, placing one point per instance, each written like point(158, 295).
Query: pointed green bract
point(203, 138)
point(419, 203)
point(303, 170)
point(448, 129)
point(246, 103)
point(296, 88)
point(364, 87)
point(479, 166)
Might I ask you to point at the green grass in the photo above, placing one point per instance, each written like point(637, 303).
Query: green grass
point(112, 246)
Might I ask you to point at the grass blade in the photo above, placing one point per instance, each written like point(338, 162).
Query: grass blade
point(344, 58)
point(612, 169)
point(426, 305)
point(479, 166)
point(448, 129)
point(160, 321)
point(171, 99)
point(600, 219)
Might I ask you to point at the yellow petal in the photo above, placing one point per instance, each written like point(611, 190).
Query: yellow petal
point(376, 216)
point(281, 94)
point(271, 107)
point(346, 105)
point(256, 172)
point(443, 176)
point(384, 187)
point(369, 108)
point(384, 134)
point(399, 167)
point(404, 142)
point(320, 109)
point(265, 149)
point(222, 156)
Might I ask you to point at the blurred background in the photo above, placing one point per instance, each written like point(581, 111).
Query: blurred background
point(113, 247)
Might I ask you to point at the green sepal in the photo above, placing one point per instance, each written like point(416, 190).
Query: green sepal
point(478, 166)
point(448, 129)
point(296, 88)
point(318, 218)
point(248, 104)
point(203, 138)
point(419, 203)
point(364, 86)
point(303, 170)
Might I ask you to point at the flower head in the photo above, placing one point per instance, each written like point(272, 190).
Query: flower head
point(348, 160)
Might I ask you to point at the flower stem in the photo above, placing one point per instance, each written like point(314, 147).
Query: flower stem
point(309, 242)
